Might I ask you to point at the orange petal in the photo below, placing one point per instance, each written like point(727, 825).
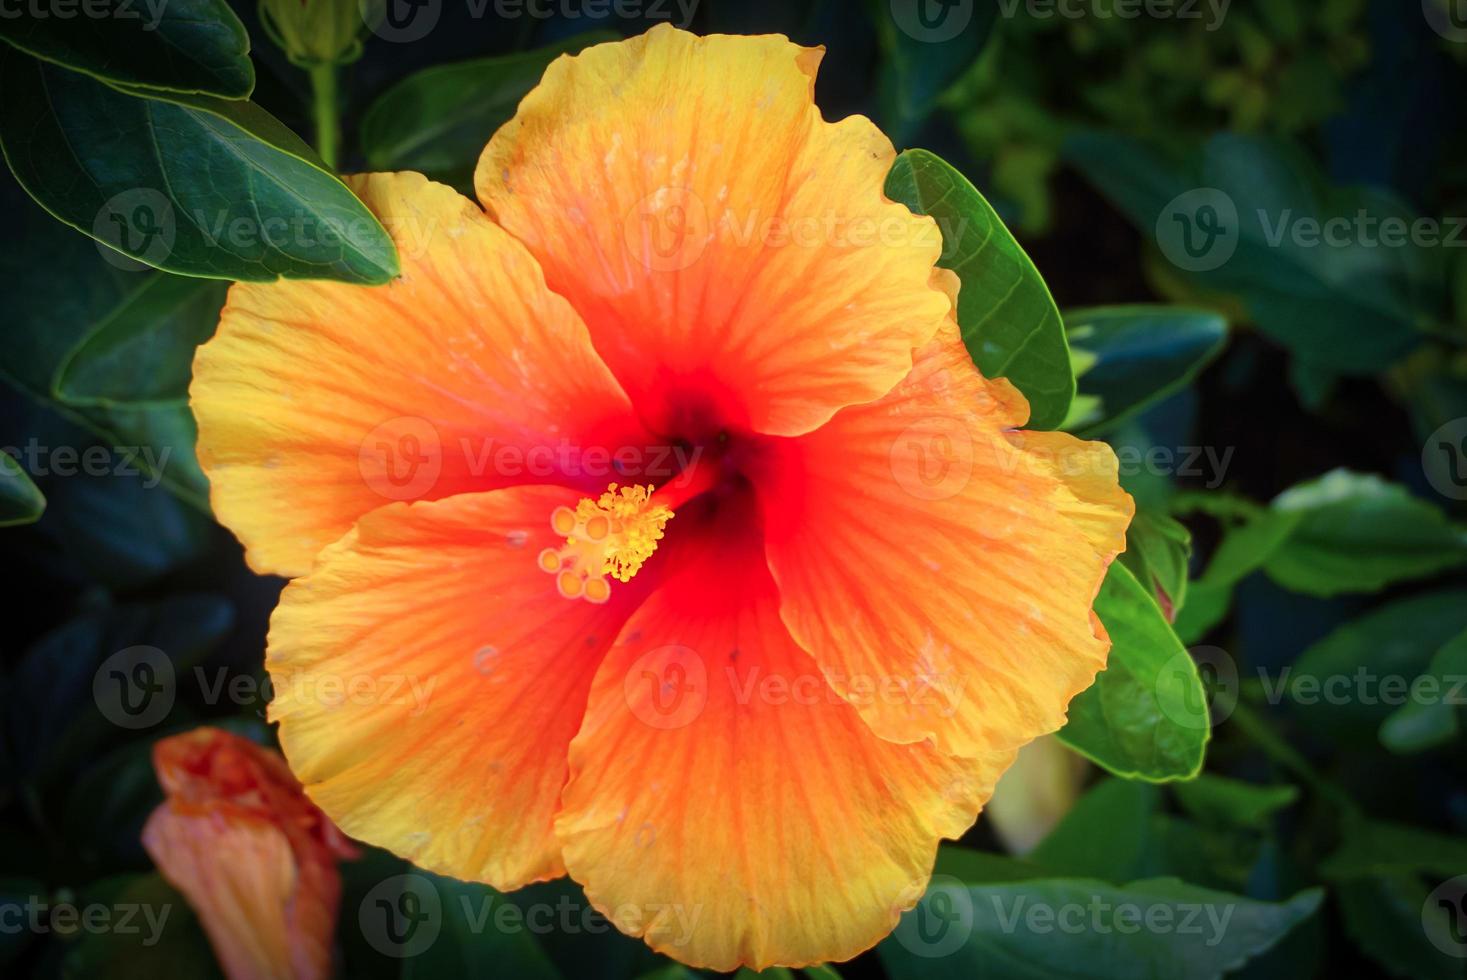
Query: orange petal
point(729, 807)
point(267, 917)
point(319, 401)
point(428, 678)
point(719, 238)
point(918, 543)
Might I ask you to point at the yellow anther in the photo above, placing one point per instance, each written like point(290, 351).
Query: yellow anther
point(612, 535)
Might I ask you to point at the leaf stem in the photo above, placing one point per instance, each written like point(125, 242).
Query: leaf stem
point(328, 118)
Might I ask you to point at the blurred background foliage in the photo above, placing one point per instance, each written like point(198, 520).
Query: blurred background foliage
point(1316, 533)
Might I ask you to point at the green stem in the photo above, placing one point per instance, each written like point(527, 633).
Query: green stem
point(328, 118)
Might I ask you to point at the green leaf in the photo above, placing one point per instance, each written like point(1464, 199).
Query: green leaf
point(1243, 550)
point(1350, 682)
point(1389, 919)
point(17, 892)
point(1146, 714)
point(1008, 319)
point(66, 700)
point(196, 46)
point(1429, 718)
point(1357, 533)
point(1107, 835)
point(1350, 307)
point(1221, 801)
point(190, 184)
point(437, 121)
point(1378, 848)
point(482, 934)
point(20, 501)
point(1138, 355)
point(163, 938)
point(1048, 927)
point(822, 971)
point(142, 353)
point(1157, 552)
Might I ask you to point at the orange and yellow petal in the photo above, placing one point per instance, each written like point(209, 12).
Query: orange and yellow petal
point(320, 401)
point(921, 544)
point(724, 803)
point(721, 240)
point(428, 677)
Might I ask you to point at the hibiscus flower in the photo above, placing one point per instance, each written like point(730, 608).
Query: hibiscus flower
point(655, 526)
point(255, 859)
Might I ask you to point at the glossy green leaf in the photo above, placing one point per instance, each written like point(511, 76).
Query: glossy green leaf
point(1355, 532)
point(1429, 718)
point(20, 501)
point(1146, 714)
point(1137, 355)
point(1158, 549)
point(189, 184)
point(1008, 319)
point(196, 46)
point(142, 353)
point(1041, 928)
point(1222, 801)
point(1250, 222)
point(437, 121)
point(1351, 681)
